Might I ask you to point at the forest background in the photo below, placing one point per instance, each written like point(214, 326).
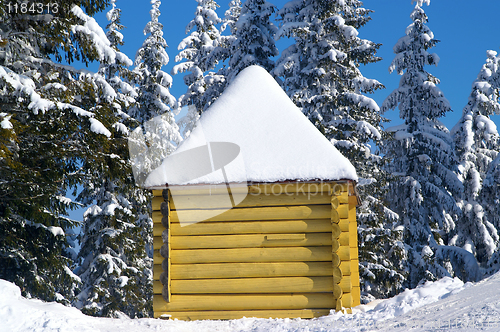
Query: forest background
point(430, 197)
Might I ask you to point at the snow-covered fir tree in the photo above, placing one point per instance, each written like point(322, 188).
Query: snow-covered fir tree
point(196, 54)
point(155, 106)
point(422, 158)
point(46, 119)
point(321, 74)
point(114, 267)
point(253, 42)
point(475, 137)
point(491, 200)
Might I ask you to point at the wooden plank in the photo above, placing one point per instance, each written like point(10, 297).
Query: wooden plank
point(255, 285)
point(352, 212)
point(244, 241)
point(221, 201)
point(354, 253)
point(256, 213)
point(237, 314)
point(252, 227)
point(259, 189)
point(353, 229)
point(252, 255)
point(166, 264)
point(248, 270)
point(356, 296)
point(244, 302)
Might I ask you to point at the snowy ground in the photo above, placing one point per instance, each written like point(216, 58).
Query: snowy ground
point(444, 305)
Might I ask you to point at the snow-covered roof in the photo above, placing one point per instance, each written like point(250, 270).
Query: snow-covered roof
point(276, 141)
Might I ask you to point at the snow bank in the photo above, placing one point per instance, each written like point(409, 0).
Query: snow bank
point(277, 142)
point(444, 305)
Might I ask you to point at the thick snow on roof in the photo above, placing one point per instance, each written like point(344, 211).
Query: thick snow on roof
point(276, 141)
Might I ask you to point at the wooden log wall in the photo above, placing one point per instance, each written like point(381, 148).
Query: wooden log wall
point(274, 255)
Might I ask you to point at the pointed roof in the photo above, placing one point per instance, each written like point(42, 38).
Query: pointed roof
point(255, 133)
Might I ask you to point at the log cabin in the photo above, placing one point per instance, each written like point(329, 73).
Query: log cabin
point(254, 214)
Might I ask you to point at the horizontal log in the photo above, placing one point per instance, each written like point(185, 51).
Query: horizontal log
point(343, 211)
point(249, 270)
point(244, 302)
point(157, 229)
point(345, 267)
point(157, 193)
point(252, 227)
point(346, 300)
point(244, 241)
point(344, 225)
point(334, 202)
point(157, 257)
point(255, 285)
point(348, 239)
point(156, 202)
point(255, 213)
point(196, 202)
point(344, 253)
point(249, 255)
point(259, 189)
point(345, 284)
point(334, 216)
point(237, 314)
point(157, 287)
point(343, 197)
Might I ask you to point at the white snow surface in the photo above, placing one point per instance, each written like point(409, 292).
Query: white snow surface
point(444, 305)
point(277, 142)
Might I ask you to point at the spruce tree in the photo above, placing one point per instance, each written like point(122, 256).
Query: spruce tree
point(156, 106)
point(321, 74)
point(253, 42)
point(45, 122)
point(114, 267)
point(196, 51)
point(475, 137)
point(422, 157)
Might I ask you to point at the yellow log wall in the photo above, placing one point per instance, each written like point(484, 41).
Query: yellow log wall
point(272, 256)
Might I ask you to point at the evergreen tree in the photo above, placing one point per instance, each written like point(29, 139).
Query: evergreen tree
point(423, 159)
point(321, 74)
point(491, 200)
point(155, 106)
point(253, 42)
point(115, 269)
point(45, 122)
point(196, 50)
point(474, 136)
